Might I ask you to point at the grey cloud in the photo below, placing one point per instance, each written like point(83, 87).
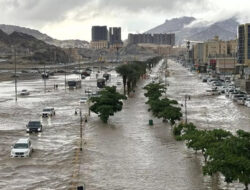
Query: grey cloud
point(160, 5)
point(39, 10)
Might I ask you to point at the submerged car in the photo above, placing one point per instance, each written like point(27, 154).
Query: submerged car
point(34, 126)
point(22, 148)
point(84, 99)
point(24, 92)
point(48, 112)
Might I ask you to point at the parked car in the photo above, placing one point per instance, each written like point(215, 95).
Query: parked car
point(95, 94)
point(84, 99)
point(88, 92)
point(204, 80)
point(235, 97)
point(22, 148)
point(247, 102)
point(118, 83)
point(48, 112)
point(34, 126)
point(213, 92)
point(24, 92)
point(241, 100)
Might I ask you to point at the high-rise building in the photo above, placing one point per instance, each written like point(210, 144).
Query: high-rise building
point(102, 38)
point(114, 35)
point(244, 52)
point(99, 33)
point(244, 44)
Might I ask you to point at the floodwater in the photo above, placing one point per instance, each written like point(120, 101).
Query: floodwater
point(125, 154)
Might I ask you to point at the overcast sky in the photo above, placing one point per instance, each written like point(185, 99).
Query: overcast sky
point(72, 19)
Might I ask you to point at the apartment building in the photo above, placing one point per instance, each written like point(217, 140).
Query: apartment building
point(161, 39)
point(216, 55)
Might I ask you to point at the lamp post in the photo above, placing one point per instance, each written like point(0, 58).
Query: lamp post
point(80, 114)
point(187, 97)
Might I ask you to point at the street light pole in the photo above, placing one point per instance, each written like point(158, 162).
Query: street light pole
point(80, 126)
point(187, 97)
point(44, 78)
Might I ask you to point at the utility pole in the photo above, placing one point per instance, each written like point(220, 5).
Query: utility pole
point(15, 75)
point(80, 130)
point(187, 97)
point(79, 67)
point(44, 77)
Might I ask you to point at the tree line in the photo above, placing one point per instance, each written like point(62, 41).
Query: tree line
point(162, 107)
point(110, 101)
point(133, 71)
point(223, 152)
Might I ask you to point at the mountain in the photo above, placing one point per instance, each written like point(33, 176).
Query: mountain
point(30, 48)
point(189, 28)
point(44, 37)
point(210, 32)
point(172, 25)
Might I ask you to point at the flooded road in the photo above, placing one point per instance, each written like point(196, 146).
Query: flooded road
point(125, 154)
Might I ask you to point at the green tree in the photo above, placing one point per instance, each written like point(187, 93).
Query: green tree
point(124, 71)
point(108, 103)
point(154, 91)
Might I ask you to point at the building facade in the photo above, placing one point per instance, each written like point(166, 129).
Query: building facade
point(215, 54)
point(161, 39)
point(104, 38)
point(99, 33)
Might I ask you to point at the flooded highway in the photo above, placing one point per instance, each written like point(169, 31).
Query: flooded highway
point(125, 154)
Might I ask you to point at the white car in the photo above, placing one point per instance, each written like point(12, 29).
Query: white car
point(247, 102)
point(24, 92)
point(88, 92)
point(48, 112)
point(84, 99)
point(241, 100)
point(22, 148)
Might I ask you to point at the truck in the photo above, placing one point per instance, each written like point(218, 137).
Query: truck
point(101, 82)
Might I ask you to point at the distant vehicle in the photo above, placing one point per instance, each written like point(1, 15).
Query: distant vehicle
point(34, 126)
point(86, 73)
point(74, 84)
point(45, 75)
point(101, 83)
point(84, 99)
point(76, 72)
point(24, 92)
point(241, 100)
point(22, 148)
point(236, 97)
point(213, 92)
point(95, 94)
point(247, 102)
point(48, 112)
point(204, 80)
point(118, 83)
point(88, 92)
point(106, 76)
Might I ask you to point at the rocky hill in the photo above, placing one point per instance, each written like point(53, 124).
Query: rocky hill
point(30, 48)
point(189, 28)
point(44, 37)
